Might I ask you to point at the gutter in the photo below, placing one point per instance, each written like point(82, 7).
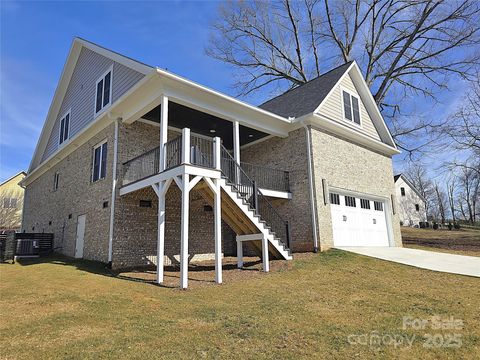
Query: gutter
point(114, 187)
point(311, 184)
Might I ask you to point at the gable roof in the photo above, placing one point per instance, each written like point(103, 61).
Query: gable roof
point(62, 86)
point(409, 183)
point(304, 99)
point(13, 177)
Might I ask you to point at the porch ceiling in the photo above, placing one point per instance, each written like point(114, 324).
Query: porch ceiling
point(180, 116)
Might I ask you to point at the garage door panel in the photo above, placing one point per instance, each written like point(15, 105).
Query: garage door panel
point(363, 223)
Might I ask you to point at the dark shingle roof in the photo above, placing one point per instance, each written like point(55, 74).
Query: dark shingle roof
point(304, 99)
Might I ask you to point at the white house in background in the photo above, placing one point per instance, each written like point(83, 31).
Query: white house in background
point(411, 204)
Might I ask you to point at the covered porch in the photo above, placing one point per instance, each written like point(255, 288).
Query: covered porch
point(238, 191)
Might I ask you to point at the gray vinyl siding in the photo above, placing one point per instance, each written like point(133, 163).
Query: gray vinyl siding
point(80, 94)
point(333, 109)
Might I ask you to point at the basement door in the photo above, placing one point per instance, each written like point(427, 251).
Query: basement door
point(358, 221)
point(79, 242)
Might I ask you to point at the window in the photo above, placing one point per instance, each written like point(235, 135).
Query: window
point(402, 191)
point(365, 204)
point(64, 128)
point(334, 199)
point(351, 107)
point(103, 93)
point(350, 201)
point(417, 207)
point(9, 203)
point(378, 205)
point(146, 203)
point(99, 162)
point(56, 177)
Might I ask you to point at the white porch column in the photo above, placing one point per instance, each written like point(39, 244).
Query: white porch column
point(217, 153)
point(218, 232)
point(184, 231)
point(266, 265)
point(163, 131)
point(161, 230)
point(186, 146)
point(239, 254)
point(236, 147)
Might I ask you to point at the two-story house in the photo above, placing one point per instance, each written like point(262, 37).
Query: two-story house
point(11, 203)
point(411, 203)
point(136, 164)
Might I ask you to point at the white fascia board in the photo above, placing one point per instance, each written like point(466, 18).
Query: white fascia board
point(201, 98)
point(321, 122)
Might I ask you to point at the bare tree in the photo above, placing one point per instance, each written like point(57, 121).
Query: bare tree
point(404, 47)
point(418, 176)
point(470, 194)
point(440, 201)
point(451, 193)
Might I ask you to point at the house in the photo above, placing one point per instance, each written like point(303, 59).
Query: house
point(411, 203)
point(11, 203)
point(135, 164)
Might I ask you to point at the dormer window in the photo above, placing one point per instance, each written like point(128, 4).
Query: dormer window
point(351, 107)
point(64, 128)
point(103, 93)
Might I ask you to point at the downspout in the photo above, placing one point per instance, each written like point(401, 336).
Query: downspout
point(114, 187)
point(311, 186)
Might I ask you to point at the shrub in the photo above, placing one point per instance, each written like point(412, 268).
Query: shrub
point(450, 226)
point(435, 226)
point(456, 226)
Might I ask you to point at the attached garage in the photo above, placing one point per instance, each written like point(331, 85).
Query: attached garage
point(358, 220)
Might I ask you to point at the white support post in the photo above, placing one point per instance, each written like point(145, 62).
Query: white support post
point(218, 232)
point(216, 153)
point(163, 131)
point(161, 230)
point(186, 146)
point(266, 265)
point(239, 254)
point(236, 147)
point(184, 231)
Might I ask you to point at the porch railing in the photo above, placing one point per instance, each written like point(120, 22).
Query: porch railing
point(248, 190)
point(201, 154)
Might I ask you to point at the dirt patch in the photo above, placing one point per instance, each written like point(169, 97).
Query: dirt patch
point(203, 273)
point(466, 242)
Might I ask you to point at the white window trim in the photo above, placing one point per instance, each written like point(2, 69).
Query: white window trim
point(69, 112)
point(350, 93)
point(99, 145)
point(110, 69)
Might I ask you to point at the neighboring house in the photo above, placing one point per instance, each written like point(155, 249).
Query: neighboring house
point(411, 204)
point(11, 203)
point(135, 163)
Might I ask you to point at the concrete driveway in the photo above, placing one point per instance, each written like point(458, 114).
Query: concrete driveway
point(450, 263)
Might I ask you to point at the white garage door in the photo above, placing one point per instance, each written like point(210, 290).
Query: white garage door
point(358, 221)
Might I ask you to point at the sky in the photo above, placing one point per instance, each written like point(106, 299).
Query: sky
point(35, 38)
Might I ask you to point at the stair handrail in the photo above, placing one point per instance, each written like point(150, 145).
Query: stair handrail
point(247, 188)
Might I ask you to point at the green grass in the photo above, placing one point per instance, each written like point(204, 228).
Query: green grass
point(74, 309)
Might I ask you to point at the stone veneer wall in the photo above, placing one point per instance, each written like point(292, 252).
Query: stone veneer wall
point(46, 210)
point(352, 167)
point(288, 154)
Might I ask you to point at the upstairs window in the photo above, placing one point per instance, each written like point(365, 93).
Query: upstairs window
point(103, 90)
point(402, 191)
point(99, 162)
point(10, 203)
point(417, 207)
point(64, 128)
point(351, 108)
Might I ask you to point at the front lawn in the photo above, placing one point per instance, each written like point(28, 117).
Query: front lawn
point(461, 242)
point(322, 306)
